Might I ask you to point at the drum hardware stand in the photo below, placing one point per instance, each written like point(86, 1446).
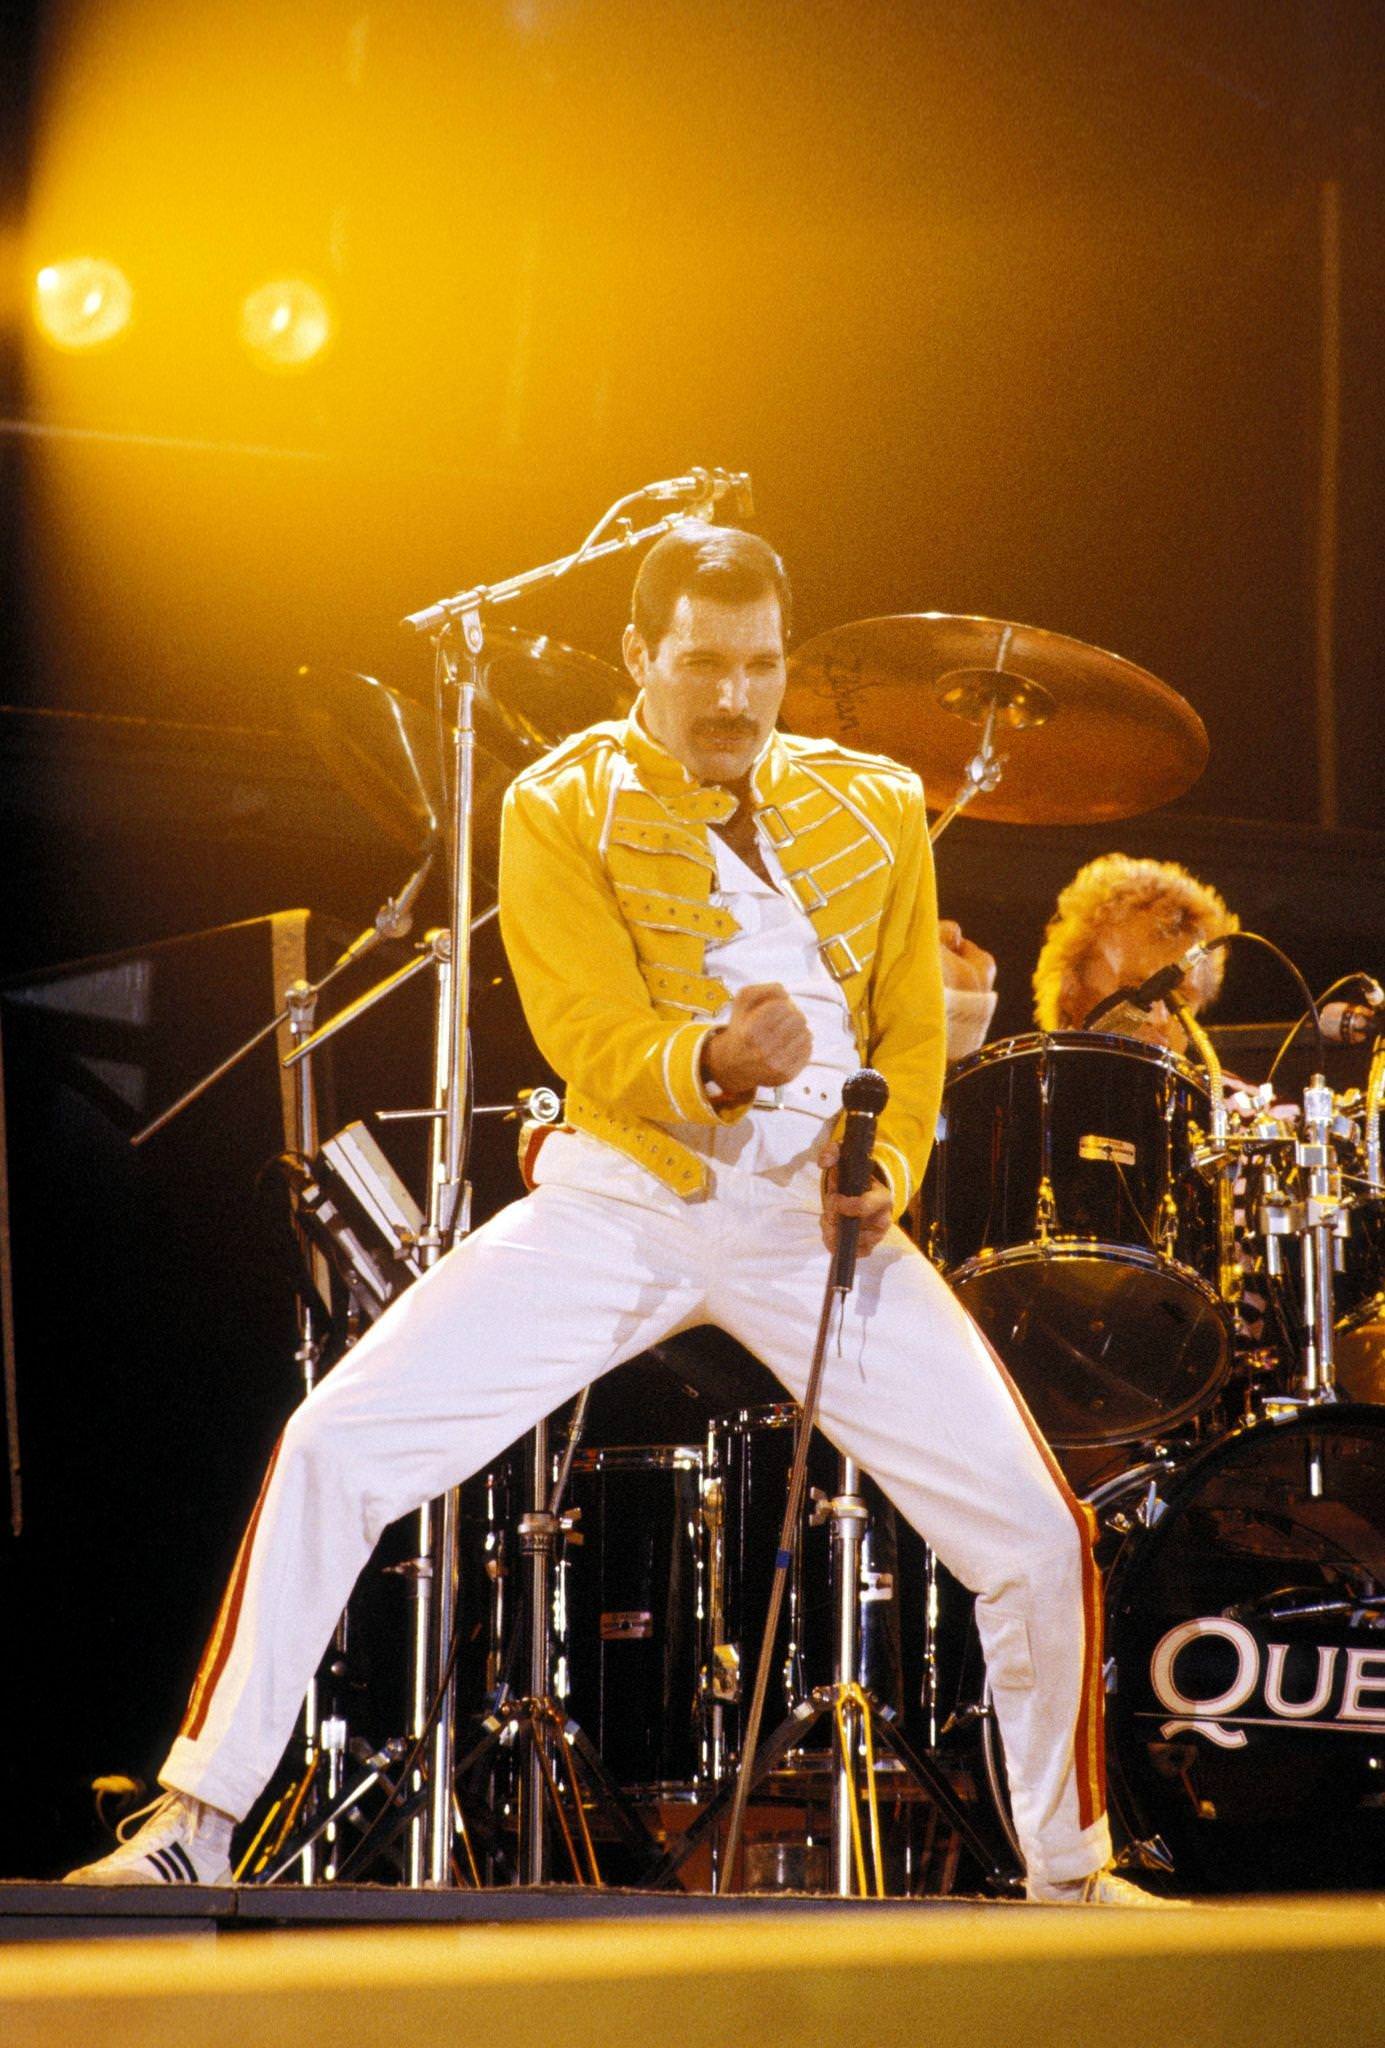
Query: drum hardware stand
point(435, 1568)
point(1217, 1158)
point(378, 1765)
point(558, 1756)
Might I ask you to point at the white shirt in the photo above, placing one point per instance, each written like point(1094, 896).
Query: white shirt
point(786, 1128)
point(783, 1134)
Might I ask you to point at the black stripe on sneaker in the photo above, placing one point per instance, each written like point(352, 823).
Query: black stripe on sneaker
point(166, 1867)
point(181, 1856)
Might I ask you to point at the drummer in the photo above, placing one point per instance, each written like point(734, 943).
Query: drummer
point(1117, 922)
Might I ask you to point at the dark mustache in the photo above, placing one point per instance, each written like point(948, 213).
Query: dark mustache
point(725, 728)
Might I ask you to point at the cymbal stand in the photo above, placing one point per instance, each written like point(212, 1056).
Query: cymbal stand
point(981, 775)
point(989, 698)
point(860, 1723)
point(448, 1218)
point(1318, 1217)
point(858, 1717)
point(852, 1706)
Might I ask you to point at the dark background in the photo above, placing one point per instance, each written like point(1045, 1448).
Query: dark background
point(1009, 308)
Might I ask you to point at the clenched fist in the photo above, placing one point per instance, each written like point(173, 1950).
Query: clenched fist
point(965, 966)
point(763, 1043)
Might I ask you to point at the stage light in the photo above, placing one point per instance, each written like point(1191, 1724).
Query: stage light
point(82, 303)
point(286, 324)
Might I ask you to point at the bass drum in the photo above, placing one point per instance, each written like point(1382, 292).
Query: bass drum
point(1064, 1208)
point(1246, 1659)
point(1247, 1629)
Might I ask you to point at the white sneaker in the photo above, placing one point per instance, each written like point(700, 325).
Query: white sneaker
point(181, 1842)
point(1102, 1888)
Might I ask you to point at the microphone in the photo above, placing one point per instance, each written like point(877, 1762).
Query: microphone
point(1352, 1023)
point(863, 1098)
point(1117, 999)
point(1165, 980)
point(707, 487)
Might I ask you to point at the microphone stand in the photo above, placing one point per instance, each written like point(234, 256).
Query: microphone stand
point(857, 1714)
point(456, 626)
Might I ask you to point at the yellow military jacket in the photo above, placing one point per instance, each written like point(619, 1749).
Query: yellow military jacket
point(607, 876)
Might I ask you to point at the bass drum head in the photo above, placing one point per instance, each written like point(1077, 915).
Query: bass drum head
point(1246, 1730)
point(1065, 1210)
point(1106, 1348)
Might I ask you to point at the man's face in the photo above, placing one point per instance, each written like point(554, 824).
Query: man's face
point(1126, 954)
point(714, 684)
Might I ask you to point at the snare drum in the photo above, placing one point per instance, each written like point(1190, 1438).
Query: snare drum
point(1064, 1208)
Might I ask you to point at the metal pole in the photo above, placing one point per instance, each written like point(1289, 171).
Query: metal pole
point(430, 1565)
point(1322, 1214)
point(300, 1001)
point(536, 1533)
point(849, 1517)
point(1328, 495)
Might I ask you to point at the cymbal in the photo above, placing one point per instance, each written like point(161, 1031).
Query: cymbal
point(382, 746)
point(535, 691)
point(379, 747)
point(1084, 735)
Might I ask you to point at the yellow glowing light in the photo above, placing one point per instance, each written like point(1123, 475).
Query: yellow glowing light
point(82, 303)
point(286, 324)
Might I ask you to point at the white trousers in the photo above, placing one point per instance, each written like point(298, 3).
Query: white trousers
point(589, 1270)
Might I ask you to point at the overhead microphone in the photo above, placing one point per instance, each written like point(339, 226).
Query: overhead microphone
point(395, 917)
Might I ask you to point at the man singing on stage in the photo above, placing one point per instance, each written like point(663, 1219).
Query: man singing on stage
point(711, 926)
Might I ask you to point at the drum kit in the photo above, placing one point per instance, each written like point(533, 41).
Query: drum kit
point(1096, 1203)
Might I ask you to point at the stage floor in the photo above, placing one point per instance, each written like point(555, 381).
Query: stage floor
point(624, 1970)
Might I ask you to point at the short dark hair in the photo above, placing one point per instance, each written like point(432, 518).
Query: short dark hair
point(720, 562)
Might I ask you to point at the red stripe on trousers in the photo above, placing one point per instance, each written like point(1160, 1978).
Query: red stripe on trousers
point(1089, 1736)
point(222, 1638)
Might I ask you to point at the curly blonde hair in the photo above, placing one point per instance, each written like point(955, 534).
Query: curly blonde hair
point(1104, 893)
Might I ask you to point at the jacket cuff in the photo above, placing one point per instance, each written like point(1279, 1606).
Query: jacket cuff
point(689, 1102)
point(716, 1107)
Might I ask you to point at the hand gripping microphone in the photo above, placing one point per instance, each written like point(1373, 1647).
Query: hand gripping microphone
point(863, 1098)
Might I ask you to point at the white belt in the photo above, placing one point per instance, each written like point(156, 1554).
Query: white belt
point(816, 1091)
